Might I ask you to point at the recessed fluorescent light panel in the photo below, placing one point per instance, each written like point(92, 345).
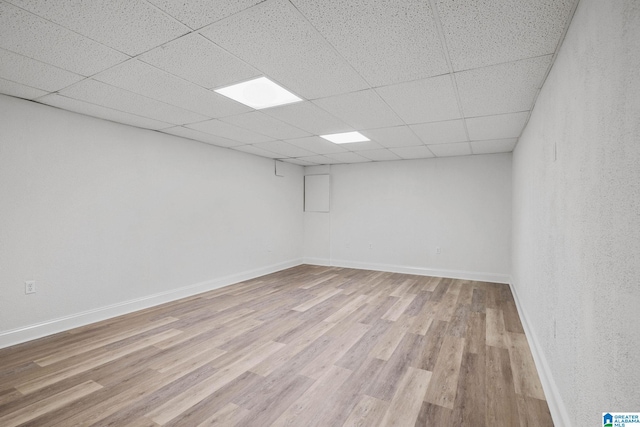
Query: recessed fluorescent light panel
point(259, 93)
point(345, 137)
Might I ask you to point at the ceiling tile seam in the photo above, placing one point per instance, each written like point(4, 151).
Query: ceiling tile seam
point(64, 69)
point(495, 64)
point(68, 29)
point(137, 94)
point(102, 118)
point(164, 12)
point(499, 114)
point(208, 40)
point(185, 137)
point(551, 63)
point(37, 100)
point(222, 136)
point(25, 85)
point(445, 47)
point(330, 45)
point(136, 58)
point(43, 62)
point(264, 149)
point(221, 118)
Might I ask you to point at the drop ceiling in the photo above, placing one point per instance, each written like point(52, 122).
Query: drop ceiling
point(419, 78)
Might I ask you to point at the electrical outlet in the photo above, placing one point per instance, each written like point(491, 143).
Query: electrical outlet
point(30, 287)
point(438, 250)
point(370, 246)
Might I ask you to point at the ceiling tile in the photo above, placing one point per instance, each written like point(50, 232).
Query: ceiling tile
point(226, 130)
point(105, 95)
point(101, 112)
point(454, 149)
point(201, 136)
point(30, 72)
point(37, 38)
point(363, 145)
point(504, 88)
point(252, 149)
point(422, 101)
point(129, 26)
point(144, 79)
point(299, 162)
point(361, 110)
point(283, 149)
point(200, 61)
point(19, 91)
point(485, 32)
point(308, 116)
point(348, 157)
point(385, 41)
point(320, 160)
point(303, 61)
point(441, 132)
point(261, 123)
point(398, 136)
point(198, 13)
point(316, 145)
point(379, 155)
point(494, 146)
point(497, 127)
point(418, 152)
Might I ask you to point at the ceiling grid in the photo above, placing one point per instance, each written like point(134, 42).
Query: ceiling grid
point(419, 79)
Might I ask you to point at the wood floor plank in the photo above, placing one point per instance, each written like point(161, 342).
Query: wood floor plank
point(83, 346)
point(38, 383)
point(444, 383)
point(407, 402)
point(389, 341)
point(216, 401)
point(525, 376)
point(335, 351)
point(310, 345)
point(399, 307)
point(182, 402)
point(495, 330)
point(276, 360)
point(432, 343)
point(434, 415)
point(317, 300)
point(230, 415)
point(42, 407)
point(476, 332)
point(533, 412)
point(306, 407)
point(469, 407)
point(337, 407)
point(385, 384)
point(501, 402)
point(368, 413)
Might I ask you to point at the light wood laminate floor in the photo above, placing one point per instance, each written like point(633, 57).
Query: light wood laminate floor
point(307, 346)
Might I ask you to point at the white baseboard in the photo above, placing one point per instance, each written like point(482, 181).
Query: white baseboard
point(558, 410)
point(325, 262)
point(39, 330)
point(420, 271)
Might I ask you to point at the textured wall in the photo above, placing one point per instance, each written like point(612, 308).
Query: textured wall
point(576, 214)
point(395, 214)
point(100, 213)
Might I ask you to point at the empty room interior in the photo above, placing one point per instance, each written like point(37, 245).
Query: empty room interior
point(319, 213)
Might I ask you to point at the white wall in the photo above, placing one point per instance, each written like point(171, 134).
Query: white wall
point(576, 233)
point(100, 214)
point(393, 215)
